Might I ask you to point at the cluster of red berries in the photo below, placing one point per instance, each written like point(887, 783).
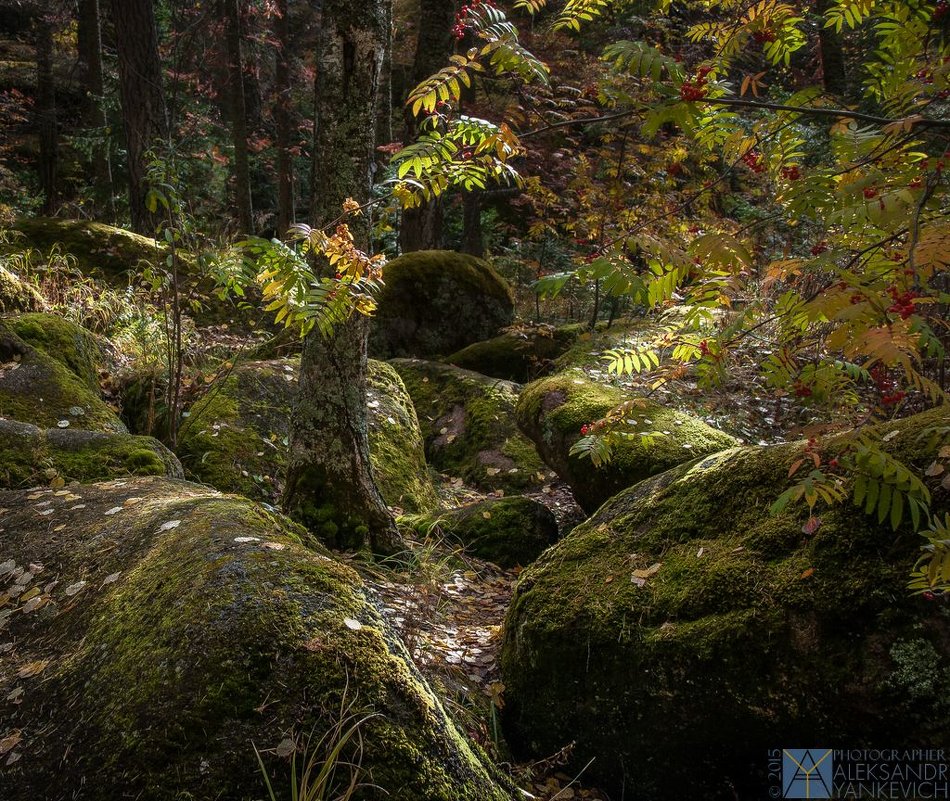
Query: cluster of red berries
point(938, 167)
point(870, 192)
point(696, 90)
point(764, 35)
point(791, 173)
point(821, 247)
point(704, 348)
point(754, 161)
point(903, 302)
point(586, 429)
point(462, 21)
point(890, 395)
point(940, 10)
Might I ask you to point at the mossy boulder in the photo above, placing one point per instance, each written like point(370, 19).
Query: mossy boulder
point(551, 411)
point(75, 347)
point(508, 531)
point(467, 422)
point(30, 456)
point(437, 301)
point(48, 375)
point(682, 630)
point(17, 295)
point(236, 436)
point(518, 354)
point(99, 249)
point(162, 631)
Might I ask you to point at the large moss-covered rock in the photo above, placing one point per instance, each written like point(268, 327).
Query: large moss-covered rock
point(80, 350)
point(17, 295)
point(162, 631)
point(31, 455)
point(517, 354)
point(235, 438)
point(437, 301)
point(467, 421)
point(683, 630)
point(551, 411)
point(48, 375)
point(99, 249)
point(508, 531)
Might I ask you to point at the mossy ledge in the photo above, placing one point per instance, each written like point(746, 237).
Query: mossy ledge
point(99, 249)
point(437, 301)
point(30, 456)
point(551, 411)
point(467, 422)
point(187, 627)
point(53, 380)
point(518, 354)
point(682, 630)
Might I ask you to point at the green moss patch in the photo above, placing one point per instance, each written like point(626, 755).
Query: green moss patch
point(236, 436)
point(519, 354)
point(98, 248)
point(467, 421)
point(510, 532)
point(182, 629)
point(30, 456)
point(70, 344)
point(52, 384)
point(437, 301)
point(17, 295)
point(551, 411)
point(683, 629)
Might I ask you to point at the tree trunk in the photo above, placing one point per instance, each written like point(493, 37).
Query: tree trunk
point(46, 112)
point(238, 114)
point(384, 102)
point(90, 56)
point(833, 75)
point(473, 241)
point(144, 114)
point(282, 117)
point(330, 487)
point(421, 228)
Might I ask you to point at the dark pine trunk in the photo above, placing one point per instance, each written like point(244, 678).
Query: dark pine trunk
point(90, 58)
point(282, 117)
point(473, 239)
point(421, 227)
point(238, 113)
point(46, 112)
point(330, 486)
point(144, 114)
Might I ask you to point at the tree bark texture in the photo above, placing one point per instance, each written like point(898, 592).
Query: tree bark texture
point(46, 112)
point(144, 114)
point(330, 487)
point(282, 118)
point(473, 240)
point(238, 113)
point(90, 57)
point(421, 227)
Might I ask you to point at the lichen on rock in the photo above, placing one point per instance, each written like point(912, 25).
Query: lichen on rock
point(437, 301)
point(553, 410)
point(683, 628)
point(183, 628)
point(467, 422)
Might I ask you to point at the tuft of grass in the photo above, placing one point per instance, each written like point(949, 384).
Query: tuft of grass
point(331, 765)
